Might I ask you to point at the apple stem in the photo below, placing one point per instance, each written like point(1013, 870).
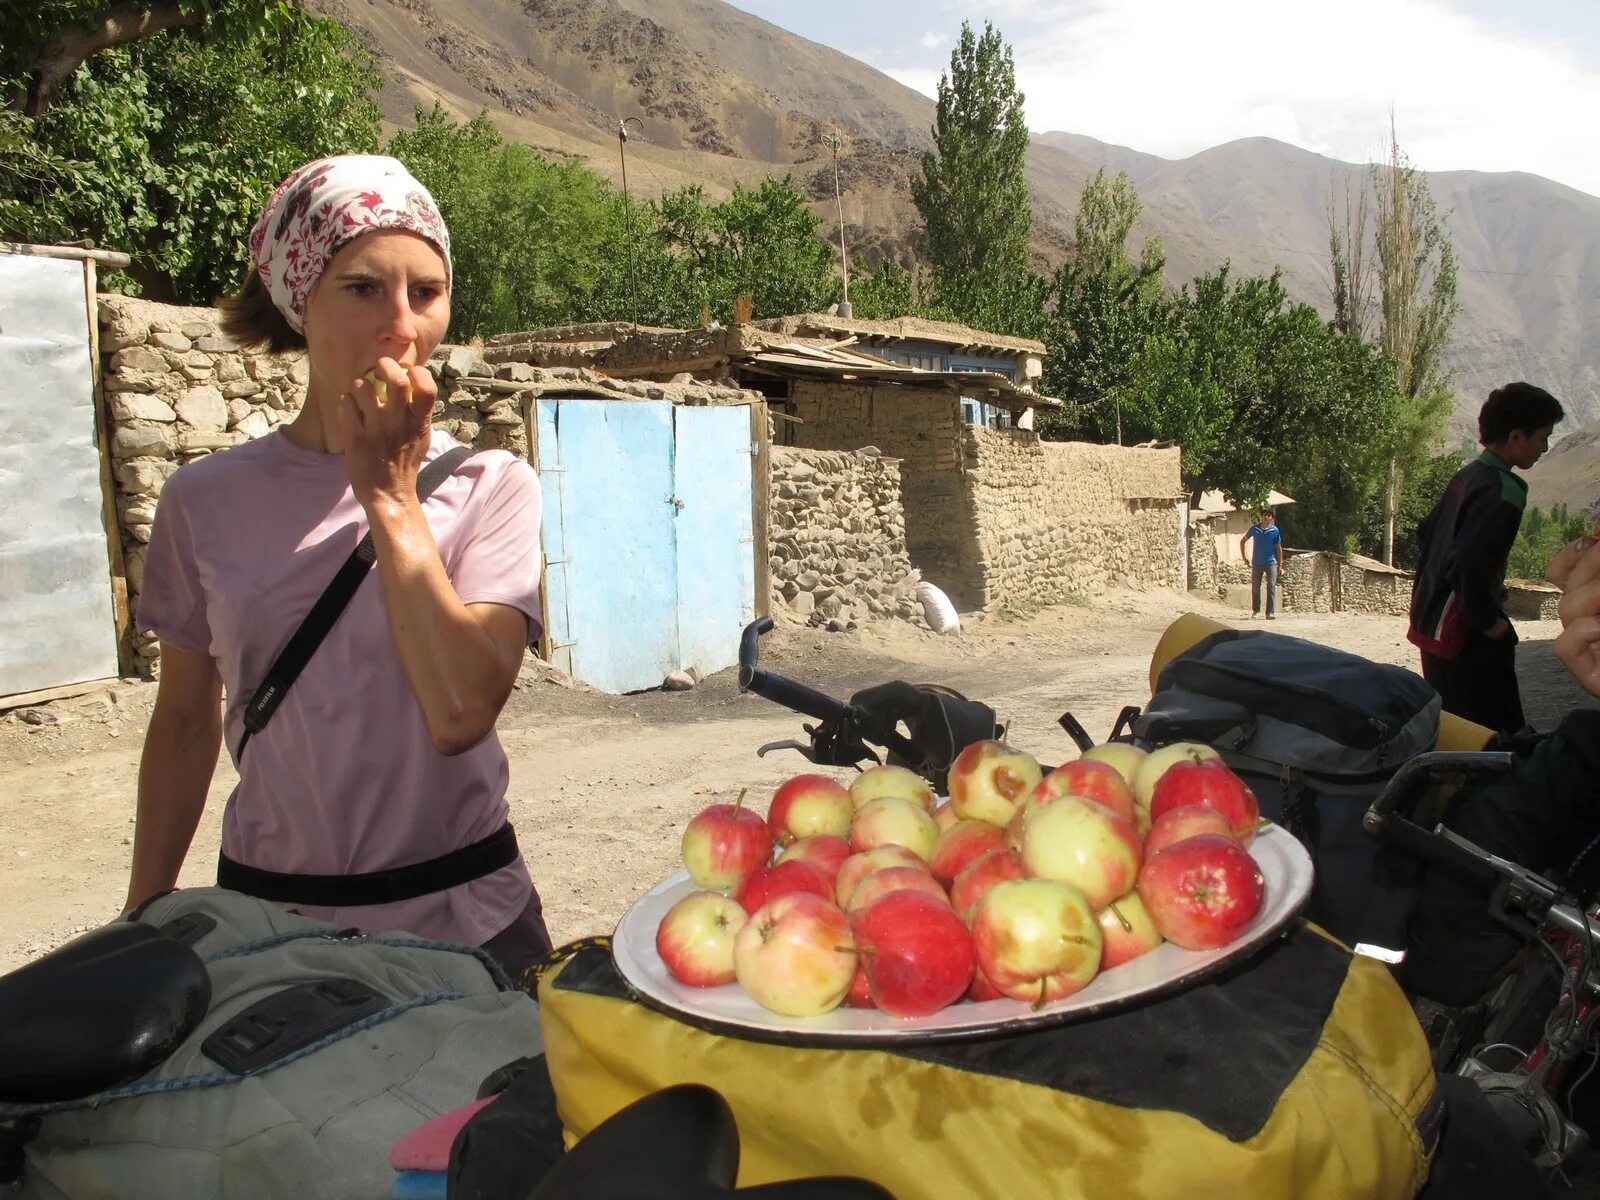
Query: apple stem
point(1127, 925)
point(1044, 987)
point(739, 803)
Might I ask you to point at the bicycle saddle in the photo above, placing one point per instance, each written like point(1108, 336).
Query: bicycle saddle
point(677, 1144)
point(97, 1012)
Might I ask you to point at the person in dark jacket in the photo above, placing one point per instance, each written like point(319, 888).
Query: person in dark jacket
point(1458, 618)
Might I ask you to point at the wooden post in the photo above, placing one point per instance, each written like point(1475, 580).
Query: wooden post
point(121, 614)
point(530, 422)
point(760, 496)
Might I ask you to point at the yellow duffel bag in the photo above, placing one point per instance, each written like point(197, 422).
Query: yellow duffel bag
point(1300, 1073)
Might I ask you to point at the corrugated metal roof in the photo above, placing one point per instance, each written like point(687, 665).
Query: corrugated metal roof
point(846, 363)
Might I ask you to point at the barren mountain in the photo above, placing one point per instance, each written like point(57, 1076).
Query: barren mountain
point(1570, 473)
point(726, 97)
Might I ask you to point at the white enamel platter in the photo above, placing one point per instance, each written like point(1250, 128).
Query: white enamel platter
point(1167, 968)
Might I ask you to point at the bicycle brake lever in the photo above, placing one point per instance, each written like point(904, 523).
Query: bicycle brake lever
point(787, 744)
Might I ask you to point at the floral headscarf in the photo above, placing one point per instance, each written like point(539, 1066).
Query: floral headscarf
point(324, 204)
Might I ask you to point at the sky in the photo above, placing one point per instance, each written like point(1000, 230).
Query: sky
point(1487, 85)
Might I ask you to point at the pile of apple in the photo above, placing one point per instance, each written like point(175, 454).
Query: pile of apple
point(1021, 885)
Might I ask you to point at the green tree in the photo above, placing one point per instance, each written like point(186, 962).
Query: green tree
point(972, 191)
point(1106, 307)
point(882, 292)
point(167, 146)
point(1541, 538)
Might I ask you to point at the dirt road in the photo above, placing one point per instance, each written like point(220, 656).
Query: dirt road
point(601, 786)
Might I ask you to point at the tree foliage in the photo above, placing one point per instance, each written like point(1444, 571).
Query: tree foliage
point(1542, 537)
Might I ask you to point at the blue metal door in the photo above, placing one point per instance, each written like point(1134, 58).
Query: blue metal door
point(716, 566)
point(611, 569)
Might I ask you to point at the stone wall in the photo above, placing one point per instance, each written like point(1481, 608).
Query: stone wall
point(921, 427)
point(1374, 589)
point(1530, 600)
point(1055, 519)
point(838, 546)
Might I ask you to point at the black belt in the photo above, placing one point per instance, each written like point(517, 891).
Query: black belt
point(450, 870)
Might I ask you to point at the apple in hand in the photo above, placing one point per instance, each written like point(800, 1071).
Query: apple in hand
point(765, 884)
point(980, 875)
point(858, 866)
point(695, 938)
point(1184, 822)
point(989, 779)
point(1203, 892)
point(796, 956)
point(1036, 939)
point(895, 879)
point(1097, 781)
point(917, 953)
point(823, 851)
point(807, 806)
point(1154, 766)
point(723, 844)
point(962, 843)
point(1213, 784)
point(889, 781)
point(1124, 756)
point(890, 821)
point(1126, 931)
point(1085, 844)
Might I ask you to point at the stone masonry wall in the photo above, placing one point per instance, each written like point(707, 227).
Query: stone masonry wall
point(1054, 519)
point(1384, 592)
point(921, 427)
point(838, 545)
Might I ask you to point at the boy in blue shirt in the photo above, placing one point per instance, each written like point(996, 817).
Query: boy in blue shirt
point(1268, 559)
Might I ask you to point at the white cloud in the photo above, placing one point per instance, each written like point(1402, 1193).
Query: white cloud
point(1172, 77)
point(932, 41)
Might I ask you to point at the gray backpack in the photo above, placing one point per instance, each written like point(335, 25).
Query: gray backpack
point(1317, 733)
point(319, 1049)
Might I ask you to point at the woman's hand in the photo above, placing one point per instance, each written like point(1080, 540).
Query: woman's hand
point(1578, 646)
point(386, 432)
point(1561, 565)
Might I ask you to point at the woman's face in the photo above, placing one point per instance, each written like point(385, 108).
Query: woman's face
point(382, 296)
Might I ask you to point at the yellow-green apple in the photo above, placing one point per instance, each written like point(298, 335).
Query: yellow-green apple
point(1097, 781)
point(878, 783)
point(1154, 767)
point(917, 953)
point(959, 845)
point(796, 956)
point(1185, 821)
point(765, 884)
point(944, 815)
point(1126, 931)
point(895, 879)
point(858, 866)
point(1213, 784)
point(980, 875)
point(807, 806)
point(1085, 844)
point(823, 851)
point(989, 779)
point(695, 938)
point(723, 844)
point(890, 821)
point(1124, 756)
point(1202, 892)
point(1036, 939)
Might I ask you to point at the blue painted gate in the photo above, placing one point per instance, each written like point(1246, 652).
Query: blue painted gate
point(649, 562)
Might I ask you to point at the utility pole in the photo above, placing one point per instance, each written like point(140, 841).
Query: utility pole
point(627, 213)
point(834, 143)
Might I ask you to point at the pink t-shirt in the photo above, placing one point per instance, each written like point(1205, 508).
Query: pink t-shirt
point(345, 778)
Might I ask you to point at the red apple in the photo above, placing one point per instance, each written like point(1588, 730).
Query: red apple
point(890, 821)
point(1213, 784)
point(860, 993)
point(1126, 931)
point(917, 953)
point(989, 779)
point(796, 956)
point(895, 879)
point(808, 806)
point(944, 815)
point(887, 781)
point(1036, 939)
point(1097, 781)
point(1202, 893)
point(858, 866)
point(1085, 844)
point(723, 844)
point(980, 875)
point(1154, 766)
point(1124, 756)
point(961, 844)
point(982, 989)
point(695, 938)
point(1185, 821)
point(765, 884)
point(823, 851)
